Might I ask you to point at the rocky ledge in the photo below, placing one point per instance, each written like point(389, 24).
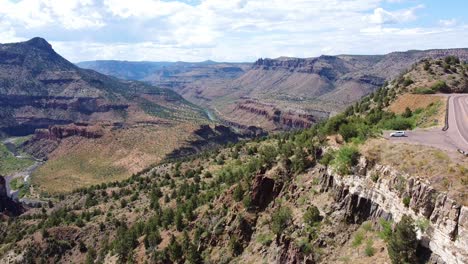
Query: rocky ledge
point(377, 191)
point(281, 119)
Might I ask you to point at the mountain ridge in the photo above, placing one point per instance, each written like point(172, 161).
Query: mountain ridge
point(294, 85)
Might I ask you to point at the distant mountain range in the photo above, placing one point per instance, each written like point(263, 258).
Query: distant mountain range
point(275, 93)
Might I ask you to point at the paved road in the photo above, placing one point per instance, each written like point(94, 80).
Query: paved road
point(458, 120)
point(456, 137)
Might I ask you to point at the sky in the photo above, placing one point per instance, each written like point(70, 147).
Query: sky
point(233, 30)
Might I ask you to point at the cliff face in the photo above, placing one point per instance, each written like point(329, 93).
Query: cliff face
point(279, 118)
point(59, 132)
point(7, 205)
point(359, 198)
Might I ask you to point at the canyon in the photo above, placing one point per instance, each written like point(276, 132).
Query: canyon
point(319, 87)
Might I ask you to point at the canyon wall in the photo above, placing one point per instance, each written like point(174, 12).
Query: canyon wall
point(377, 192)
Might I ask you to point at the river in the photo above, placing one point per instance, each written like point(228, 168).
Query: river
point(25, 174)
point(210, 115)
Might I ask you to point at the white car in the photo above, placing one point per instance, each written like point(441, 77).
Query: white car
point(398, 134)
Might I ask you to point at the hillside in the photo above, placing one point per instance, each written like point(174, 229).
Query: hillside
point(338, 192)
point(86, 126)
point(287, 93)
point(40, 88)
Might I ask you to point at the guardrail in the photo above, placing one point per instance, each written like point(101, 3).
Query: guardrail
point(446, 115)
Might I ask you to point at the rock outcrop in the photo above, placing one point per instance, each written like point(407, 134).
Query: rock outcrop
point(358, 198)
point(60, 132)
point(7, 205)
point(265, 190)
point(281, 119)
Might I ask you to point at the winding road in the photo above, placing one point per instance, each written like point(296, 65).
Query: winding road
point(456, 137)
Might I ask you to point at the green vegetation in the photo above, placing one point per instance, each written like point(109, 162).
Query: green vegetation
point(265, 239)
point(423, 90)
point(406, 201)
point(9, 163)
point(386, 229)
point(16, 184)
point(312, 215)
point(280, 219)
point(178, 211)
point(358, 239)
point(403, 242)
point(345, 158)
point(369, 250)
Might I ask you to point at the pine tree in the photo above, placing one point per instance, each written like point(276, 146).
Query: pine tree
point(403, 242)
point(175, 250)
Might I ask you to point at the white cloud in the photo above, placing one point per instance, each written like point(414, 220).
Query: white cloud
point(381, 16)
point(448, 22)
point(234, 30)
point(69, 14)
point(144, 8)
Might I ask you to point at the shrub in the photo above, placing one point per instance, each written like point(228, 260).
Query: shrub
point(397, 123)
point(407, 82)
point(440, 86)
point(345, 158)
point(403, 242)
point(327, 158)
point(408, 113)
point(265, 239)
point(427, 66)
point(423, 90)
point(299, 161)
point(370, 250)
point(406, 201)
point(358, 238)
point(386, 229)
point(235, 245)
point(312, 215)
point(238, 193)
point(247, 201)
point(334, 123)
point(348, 131)
point(280, 220)
point(91, 256)
point(375, 177)
point(175, 250)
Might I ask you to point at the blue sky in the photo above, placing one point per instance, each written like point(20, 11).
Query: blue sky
point(233, 30)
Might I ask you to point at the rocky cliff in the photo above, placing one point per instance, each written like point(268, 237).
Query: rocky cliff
point(374, 192)
point(7, 205)
point(281, 119)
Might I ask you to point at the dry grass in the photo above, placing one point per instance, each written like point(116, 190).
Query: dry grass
point(446, 173)
point(350, 253)
point(414, 101)
point(434, 105)
point(80, 162)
